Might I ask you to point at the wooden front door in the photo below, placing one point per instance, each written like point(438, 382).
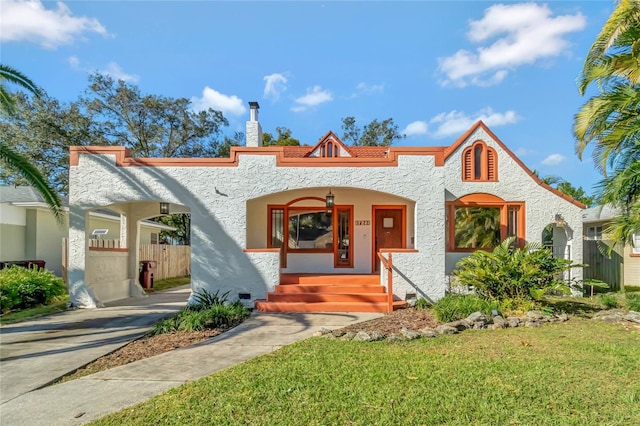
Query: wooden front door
point(388, 230)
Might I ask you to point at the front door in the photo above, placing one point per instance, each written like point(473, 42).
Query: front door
point(388, 230)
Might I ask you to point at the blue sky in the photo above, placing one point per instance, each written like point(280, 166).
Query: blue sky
point(435, 67)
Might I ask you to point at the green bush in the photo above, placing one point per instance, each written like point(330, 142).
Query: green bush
point(513, 273)
point(633, 301)
point(458, 306)
point(22, 288)
point(211, 310)
point(609, 300)
point(423, 303)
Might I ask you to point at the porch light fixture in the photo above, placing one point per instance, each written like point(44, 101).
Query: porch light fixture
point(560, 222)
point(330, 200)
point(164, 208)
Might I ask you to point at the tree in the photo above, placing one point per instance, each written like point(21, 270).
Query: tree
point(182, 223)
point(610, 120)
point(284, 138)
point(11, 157)
point(110, 113)
point(376, 133)
point(151, 125)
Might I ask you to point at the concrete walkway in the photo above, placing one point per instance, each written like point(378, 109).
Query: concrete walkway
point(91, 397)
point(35, 353)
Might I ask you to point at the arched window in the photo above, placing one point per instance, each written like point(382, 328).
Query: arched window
point(479, 163)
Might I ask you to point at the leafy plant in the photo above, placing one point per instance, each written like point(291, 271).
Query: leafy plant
point(205, 299)
point(458, 306)
point(24, 288)
point(423, 303)
point(608, 300)
point(513, 273)
point(633, 301)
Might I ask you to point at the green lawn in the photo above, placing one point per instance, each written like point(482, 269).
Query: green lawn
point(58, 305)
point(581, 372)
point(161, 285)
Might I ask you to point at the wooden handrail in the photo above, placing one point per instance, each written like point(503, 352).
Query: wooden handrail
point(388, 265)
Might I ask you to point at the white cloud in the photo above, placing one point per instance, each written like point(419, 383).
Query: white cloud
point(416, 128)
point(314, 97)
point(229, 105)
point(274, 86)
point(365, 89)
point(31, 21)
point(524, 32)
point(112, 69)
point(553, 159)
point(115, 71)
point(456, 122)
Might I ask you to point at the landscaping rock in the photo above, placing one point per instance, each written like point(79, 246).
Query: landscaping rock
point(446, 329)
point(362, 336)
point(460, 325)
point(429, 332)
point(376, 335)
point(499, 322)
point(479, 325)
point(478, 316)
point(562, 317)
point(532, 324)
point(348, 336)
point(536, 315)
point(513, 322)
point(632, 316)
point(325, 330)
point(610, 315)
point(338, 333)
point(409, 334)
point(394, 338)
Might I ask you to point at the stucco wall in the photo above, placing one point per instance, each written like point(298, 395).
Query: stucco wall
point(107, 275)
point(218, 198)
point(515, 184)
point(631, 267)
point(12, 238)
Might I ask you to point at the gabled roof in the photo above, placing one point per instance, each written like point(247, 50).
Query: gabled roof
point(22, 194)
point(480, 124)
point(353, 151)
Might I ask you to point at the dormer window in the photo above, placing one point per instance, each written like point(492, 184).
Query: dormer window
point(329, 146)
point(330, 150)
point(479, 163)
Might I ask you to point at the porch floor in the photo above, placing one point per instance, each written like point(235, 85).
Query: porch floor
point(327, 293)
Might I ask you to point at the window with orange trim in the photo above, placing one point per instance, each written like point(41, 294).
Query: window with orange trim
point(482, 221)
point(479, 163)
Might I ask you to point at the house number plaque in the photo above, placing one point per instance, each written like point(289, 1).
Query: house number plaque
point(363, 222)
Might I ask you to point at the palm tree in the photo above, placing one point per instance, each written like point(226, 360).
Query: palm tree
point(611, 119)
point(12, 158)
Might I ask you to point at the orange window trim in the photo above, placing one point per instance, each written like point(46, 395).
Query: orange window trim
point(475, 200)
point(335, 236)
point(488, 163)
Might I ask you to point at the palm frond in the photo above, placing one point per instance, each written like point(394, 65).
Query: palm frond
point(34, 177)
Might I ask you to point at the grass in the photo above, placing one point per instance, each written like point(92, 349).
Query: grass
point(581, 372)
point(58, 305)
point(169, 283)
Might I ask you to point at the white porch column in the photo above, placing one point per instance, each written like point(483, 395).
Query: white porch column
point(80, 294)
point(132, 220)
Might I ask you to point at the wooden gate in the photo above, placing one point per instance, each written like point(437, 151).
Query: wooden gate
point(601, 267)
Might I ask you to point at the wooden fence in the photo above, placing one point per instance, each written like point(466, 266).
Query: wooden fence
point(171, 261)
point(601, 267)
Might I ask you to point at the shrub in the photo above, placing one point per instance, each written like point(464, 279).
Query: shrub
point(24, 288)
point(608, 300)
point(633, 301)
point(513, 273)
point(423, 303)
point(211, 310)
point(458, 306)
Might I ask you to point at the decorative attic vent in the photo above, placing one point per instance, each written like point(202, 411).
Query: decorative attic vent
point(329, 147)
point(479, 163)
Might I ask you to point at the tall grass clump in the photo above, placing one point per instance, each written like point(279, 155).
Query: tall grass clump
point(633, 301)
point(210, 310)
point(22, 288)
point(458, 306)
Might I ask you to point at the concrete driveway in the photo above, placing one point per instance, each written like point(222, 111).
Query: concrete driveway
point(35, 353)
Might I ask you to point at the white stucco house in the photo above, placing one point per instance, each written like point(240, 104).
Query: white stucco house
point(29, 231)
point(304, 228)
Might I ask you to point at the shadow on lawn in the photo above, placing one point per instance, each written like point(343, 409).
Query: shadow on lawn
point(584, 307)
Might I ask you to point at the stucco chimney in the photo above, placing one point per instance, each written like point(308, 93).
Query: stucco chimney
point(254, 130)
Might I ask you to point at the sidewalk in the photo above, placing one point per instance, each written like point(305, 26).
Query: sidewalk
point(91, 397)
point(34, 353)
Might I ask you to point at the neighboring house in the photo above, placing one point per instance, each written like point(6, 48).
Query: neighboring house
point(269, 220)
point(623, 266)
point(29, 231)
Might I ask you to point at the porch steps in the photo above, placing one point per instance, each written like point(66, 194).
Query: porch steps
point(327, 293)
